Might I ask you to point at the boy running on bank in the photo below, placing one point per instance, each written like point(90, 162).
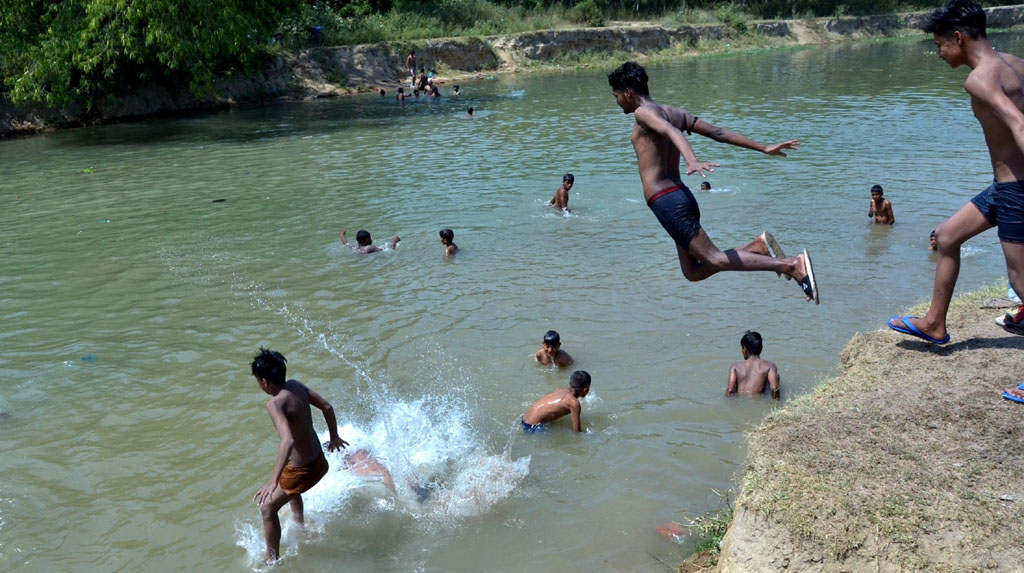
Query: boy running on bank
point(659, 143)
point(300, 459)
point(557, 404)
point(996, 87)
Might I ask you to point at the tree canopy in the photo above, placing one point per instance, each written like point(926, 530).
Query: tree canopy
point(62, 51)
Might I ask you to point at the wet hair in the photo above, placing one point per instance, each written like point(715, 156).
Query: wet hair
point(876, 188)
point(470, 111)
point(269, 365)
point(752, 342)
point(551, 338)
point(933, 233)
point(447, 234)
point(568, 178)
point(363, 238)
point(705, 185)
point(630, 75)
point(579, 380)
point(964, 15)
point(456, 86)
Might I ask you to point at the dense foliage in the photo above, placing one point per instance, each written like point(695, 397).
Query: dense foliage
point(63, 51)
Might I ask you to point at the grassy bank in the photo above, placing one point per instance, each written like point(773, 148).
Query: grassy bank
point(909, 460)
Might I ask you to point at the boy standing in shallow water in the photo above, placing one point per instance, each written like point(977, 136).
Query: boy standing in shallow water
point(561, 198)
point(300, 459)
point(880, 208)
point(659, 144)
point(996, 87)
point(551, 351)
point(557, 404)
point(752, 375)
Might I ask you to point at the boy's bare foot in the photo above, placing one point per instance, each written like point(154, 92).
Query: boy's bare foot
point(802, 272)
point(1014, 391)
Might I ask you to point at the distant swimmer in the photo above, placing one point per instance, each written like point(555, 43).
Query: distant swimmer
point(561, 198)
point(557, 404)
point(996, 87)
point(660, 143)
point(880, 208)
point(364, 464)
point(456, 93)
point(401, 94)
point(551, 351)
point(705, 186)
point(753, 375)
point(933, 243)
point(469, 112)
point(300, 460)
point(447, 236)
point(365, 245)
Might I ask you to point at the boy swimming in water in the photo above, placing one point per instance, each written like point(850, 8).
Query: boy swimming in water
point(561, 198)
point(557, 404)
point(880, 208)
point(447, 236)
point(366, 245)
point(659, 143)
point(551, 351)
point(996, 87)
point(300, 460)
point(753, 374)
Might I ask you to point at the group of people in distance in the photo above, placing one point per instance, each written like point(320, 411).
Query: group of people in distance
point(996, 88)
point(364, 242)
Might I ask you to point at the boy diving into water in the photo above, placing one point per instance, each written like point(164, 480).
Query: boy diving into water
point(659, 143)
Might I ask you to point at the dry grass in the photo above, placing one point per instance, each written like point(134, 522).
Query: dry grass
point(910, 457)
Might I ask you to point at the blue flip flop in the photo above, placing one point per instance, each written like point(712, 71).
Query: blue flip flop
point(1009, 396)
point(913, 331)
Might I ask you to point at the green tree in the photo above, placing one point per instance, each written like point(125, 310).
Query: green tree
point(64, 51)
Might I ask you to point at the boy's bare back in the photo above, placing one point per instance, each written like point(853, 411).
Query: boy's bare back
point(293, 403)
point(752, 376)
point(552, 407)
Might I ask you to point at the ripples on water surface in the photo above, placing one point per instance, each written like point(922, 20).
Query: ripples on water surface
point(133, 436)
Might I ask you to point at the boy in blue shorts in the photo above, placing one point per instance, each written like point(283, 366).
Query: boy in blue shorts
point(557, 404)
point(996, 87)
point(660, 143)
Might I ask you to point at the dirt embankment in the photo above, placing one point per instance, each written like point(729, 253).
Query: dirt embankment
point(326, 72)
point(910, 460)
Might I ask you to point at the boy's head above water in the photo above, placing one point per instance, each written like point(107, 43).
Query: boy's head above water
point(876, 191)
point(552, 339)
point(580, 383)
point(363, 238)
point(751, 343)
point(447, 236)
point(568, 179)
point(269, 365)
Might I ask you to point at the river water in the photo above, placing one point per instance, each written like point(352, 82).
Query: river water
point(144, 264)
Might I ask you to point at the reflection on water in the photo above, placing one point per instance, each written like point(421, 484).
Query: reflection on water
point(144, 264)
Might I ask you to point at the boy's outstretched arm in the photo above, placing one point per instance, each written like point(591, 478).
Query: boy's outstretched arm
point(344, 241)
point(394, 242)
point(723, 135)
point(332, 423)
point(649, 118)
point(284, 450)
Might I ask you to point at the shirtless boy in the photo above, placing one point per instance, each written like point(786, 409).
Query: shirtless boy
point(880, 209)
point(659, 143)
point(752, 375)
point(561, 198)
point(410, 64)
point(300, 459)
point(557, 404)
point(996, 88)
point(447, 236)
point(365, 245)
point(551, 351)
